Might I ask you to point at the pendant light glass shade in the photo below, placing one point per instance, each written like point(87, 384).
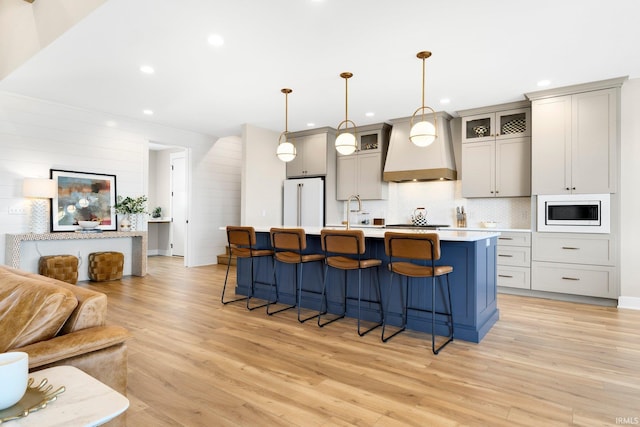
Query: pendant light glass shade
point(286, 151)
point(423, 132)
point(346, 142)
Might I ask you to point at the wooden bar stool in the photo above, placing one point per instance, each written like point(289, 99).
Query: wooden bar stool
point(343, 251)
point(242, 241)
point(402, 248)
point(288, 245)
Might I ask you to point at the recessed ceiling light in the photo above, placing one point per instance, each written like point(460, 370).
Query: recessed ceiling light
point(445, 101)
point(543, 83)
point(147, 69)
point(311, 124)
point(148, 112)
point(111, 123)
point(370, 114)
point(215, 40)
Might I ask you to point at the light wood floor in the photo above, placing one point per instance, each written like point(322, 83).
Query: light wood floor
point(194, 362)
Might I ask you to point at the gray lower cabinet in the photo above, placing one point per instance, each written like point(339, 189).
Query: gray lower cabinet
point(514, 259)
point(575, 263)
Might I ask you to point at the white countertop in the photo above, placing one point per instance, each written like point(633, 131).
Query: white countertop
point(485, 229)
point(460, 235)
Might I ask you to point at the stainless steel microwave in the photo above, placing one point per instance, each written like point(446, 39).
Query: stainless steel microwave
point(574, 213)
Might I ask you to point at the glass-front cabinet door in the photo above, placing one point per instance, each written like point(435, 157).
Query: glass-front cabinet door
point(369, 142)
point(513, 123)
point(498, 125)
point(478, 128)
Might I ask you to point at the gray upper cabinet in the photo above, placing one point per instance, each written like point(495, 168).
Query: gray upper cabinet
point(496, 151)
point(508, 122)
point(312, 150)
point(360, 173)
point(575, 138)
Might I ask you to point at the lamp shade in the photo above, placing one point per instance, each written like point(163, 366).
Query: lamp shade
point(41, 188)
point(423, 134)
point(286, 151)
point(345, 143)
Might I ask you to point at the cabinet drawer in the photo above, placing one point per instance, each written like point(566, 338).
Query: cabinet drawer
point(513, 238)
point(514, 255)
point(580, 249)
point(575, 279)
point(514, 277)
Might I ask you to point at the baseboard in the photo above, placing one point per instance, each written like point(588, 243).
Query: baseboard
point(581, 299)
point(632, 303)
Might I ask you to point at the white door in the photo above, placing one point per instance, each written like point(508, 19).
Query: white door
point(178, 203)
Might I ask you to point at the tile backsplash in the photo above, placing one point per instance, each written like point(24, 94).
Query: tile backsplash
point(440, 199)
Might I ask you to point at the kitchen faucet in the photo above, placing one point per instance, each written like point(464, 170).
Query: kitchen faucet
point(353, 196)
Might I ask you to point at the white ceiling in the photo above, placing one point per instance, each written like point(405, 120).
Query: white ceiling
point(484, 52)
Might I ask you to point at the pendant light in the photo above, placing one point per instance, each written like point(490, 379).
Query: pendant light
point(424, 132)
point(346, 142)
point(286, 151)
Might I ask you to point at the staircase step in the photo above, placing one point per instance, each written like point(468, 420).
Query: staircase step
point(224, 259)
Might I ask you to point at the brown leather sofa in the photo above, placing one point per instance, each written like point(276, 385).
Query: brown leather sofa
point(57, 323)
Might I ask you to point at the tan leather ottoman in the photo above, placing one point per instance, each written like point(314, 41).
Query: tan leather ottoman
point(60, 267)
point(104, 266)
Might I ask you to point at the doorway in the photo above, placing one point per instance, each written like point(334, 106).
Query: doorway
point(169, 175)
point(179, 219)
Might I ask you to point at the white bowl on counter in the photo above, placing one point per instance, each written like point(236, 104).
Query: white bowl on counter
point(489, 224)
point(88, 224)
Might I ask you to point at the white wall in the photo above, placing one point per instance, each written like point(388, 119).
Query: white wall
point(215, 197)
point(630, 196)
point(36, 136)
point(25, 28)
point(262, 177)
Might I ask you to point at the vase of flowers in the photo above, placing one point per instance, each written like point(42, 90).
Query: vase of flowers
point(131, 208)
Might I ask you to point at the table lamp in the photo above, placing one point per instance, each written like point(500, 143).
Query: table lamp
point(40, 190)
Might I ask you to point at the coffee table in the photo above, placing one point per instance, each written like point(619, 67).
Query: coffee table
point(85, 401)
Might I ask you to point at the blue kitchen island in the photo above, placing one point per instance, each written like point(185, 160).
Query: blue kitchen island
point(473, 282)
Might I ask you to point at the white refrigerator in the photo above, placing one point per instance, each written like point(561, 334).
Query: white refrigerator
point(304, 202)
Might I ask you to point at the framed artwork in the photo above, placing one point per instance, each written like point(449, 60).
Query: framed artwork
point(82, 196)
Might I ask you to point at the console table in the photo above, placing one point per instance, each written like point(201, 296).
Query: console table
point(138, 245)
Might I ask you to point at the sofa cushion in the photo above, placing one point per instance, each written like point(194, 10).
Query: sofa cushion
point(31, 310)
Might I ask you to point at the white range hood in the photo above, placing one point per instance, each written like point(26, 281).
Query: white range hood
point(407, 162)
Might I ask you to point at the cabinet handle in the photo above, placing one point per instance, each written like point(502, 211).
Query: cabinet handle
point(506, 256)
point(491, 191)
point(570, 278)
point(571, 248)
point(505, 238)
point(506, 276)
point(573, 188)
point(567, 188)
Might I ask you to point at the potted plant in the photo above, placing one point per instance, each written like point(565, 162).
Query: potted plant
point(130, 207)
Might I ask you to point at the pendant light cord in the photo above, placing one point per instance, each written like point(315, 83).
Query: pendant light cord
point(346, 99)
point(423, 80)
point(286, 112)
